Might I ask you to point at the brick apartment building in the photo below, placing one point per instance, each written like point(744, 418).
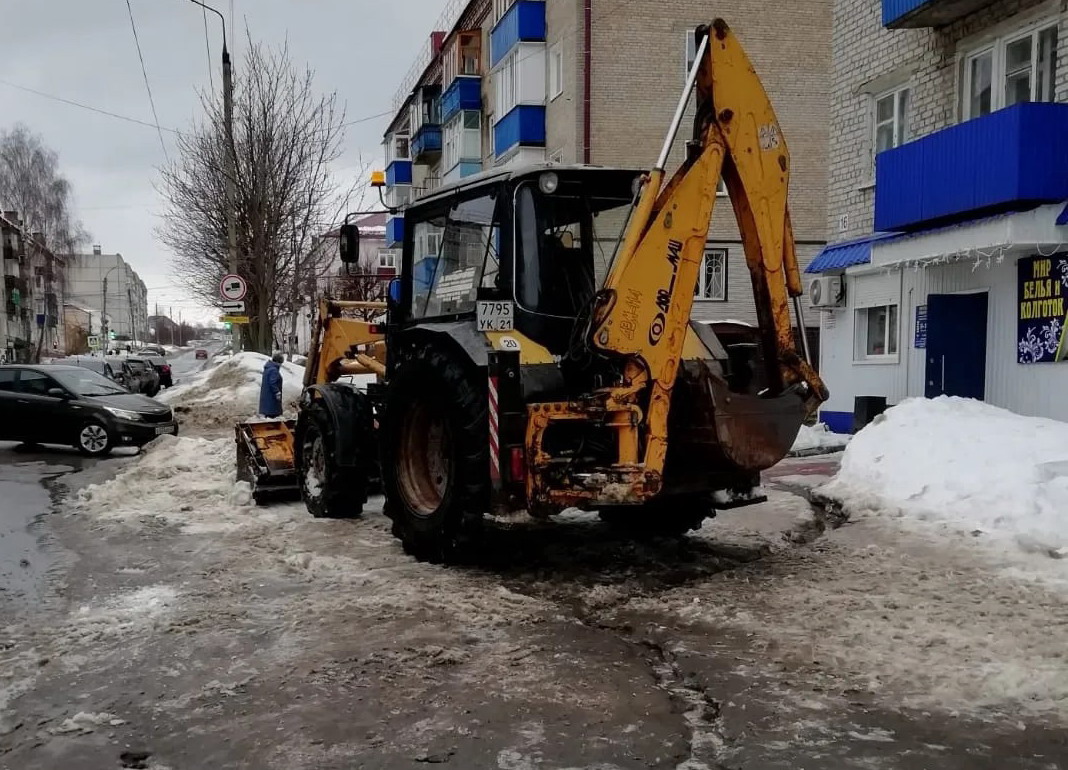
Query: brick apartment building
point(948, 181)
point(513, 82)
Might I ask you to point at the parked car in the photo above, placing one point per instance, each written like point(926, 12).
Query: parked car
point(201, 354)
point(134, 379)
point(163, 369)
point(154, 350)
point(92, 363)
point(148, 372)
point(55, 404)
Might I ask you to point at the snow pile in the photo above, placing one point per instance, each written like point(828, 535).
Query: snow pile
point(229, 391)
point(176, 478)
point(818, 439)
point(963, 463)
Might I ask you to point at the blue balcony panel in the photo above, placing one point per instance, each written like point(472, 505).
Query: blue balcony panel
point(394, 232)
point(913, 14)
point(399, 172)
point(426, 142)
point(1010, 160)
point(524, 126)
point(524, 21)
point(465, 93)
point(462, 169)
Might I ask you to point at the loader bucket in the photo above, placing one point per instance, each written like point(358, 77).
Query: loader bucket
point(266, 459)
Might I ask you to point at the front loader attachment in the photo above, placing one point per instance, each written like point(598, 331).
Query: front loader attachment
point(266, 459)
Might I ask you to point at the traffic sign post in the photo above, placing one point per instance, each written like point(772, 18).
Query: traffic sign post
point(232, 290)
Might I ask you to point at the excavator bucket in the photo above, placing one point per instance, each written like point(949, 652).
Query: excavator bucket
point(266, 459)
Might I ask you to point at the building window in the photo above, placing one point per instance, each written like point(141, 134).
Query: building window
point(462, 139)
point(712, 280)
point(500, 7)
point(387, 258)
point(891, 120)
point(556, 70)
point(876, 333)
point(691, 52)
point(397, 148)
point(1013, 69)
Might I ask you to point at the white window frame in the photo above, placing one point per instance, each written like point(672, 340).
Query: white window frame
point(689, 53)
point(860, 335)
point(997, 48)
point(391, 147)
point(387, 259)
point(702, 277)
point(556, 70)
point(457, 137)
point(500, 8)
point(899, 120)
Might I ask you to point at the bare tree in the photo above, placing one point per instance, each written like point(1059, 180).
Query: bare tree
point(32, 185)
point(285, 138)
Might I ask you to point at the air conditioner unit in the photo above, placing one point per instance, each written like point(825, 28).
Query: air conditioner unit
point(826, 291)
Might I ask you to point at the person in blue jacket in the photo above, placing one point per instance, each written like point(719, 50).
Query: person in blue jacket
point(271, 387)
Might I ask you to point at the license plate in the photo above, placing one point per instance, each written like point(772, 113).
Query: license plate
point(164, 429)
point(496, 317)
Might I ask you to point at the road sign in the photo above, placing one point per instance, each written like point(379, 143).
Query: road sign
point(234, 319)
point(94, 342)
point(233, 307)
point(233, 287)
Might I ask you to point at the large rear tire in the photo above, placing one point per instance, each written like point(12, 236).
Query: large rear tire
point(329, 490)
point(435, 464)
point(661, 517)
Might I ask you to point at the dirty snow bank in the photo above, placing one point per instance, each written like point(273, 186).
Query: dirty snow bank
point(966, 464)
point(817, 439)
point(229, 391)
point(190, 481)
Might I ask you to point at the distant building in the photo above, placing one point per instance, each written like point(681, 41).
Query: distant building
point(124, 303)
point(31, 326)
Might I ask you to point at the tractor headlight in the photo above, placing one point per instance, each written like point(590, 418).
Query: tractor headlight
point(548, 182)
point(123, 414)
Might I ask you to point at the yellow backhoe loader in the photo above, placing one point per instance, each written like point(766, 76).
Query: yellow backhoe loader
point(541, 354)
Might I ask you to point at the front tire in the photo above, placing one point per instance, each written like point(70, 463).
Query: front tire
point(325, 493)
point(94, 440)
point(435, 465)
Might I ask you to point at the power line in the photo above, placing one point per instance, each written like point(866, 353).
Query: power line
point(148, 88)
point(73, 103)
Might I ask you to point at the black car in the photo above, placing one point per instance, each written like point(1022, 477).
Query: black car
point(148, 373)
point(75, 406)
point(92, 363)
point(159, 363)
point(135, 378)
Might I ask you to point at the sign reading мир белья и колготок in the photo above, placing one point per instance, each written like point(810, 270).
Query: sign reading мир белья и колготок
point(1042, 312)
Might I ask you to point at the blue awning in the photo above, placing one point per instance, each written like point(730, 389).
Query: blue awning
point(839, 256)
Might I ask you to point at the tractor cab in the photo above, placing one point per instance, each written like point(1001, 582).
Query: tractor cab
point(523, 250)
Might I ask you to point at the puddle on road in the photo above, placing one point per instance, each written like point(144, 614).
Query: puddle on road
point(24, 499)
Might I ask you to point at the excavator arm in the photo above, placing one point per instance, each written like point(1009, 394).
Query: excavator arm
point(642, 314)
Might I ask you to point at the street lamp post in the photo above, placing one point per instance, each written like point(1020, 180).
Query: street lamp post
point(231, 161)
point(105, 323)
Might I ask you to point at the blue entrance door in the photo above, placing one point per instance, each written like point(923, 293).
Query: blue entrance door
point(956, 345)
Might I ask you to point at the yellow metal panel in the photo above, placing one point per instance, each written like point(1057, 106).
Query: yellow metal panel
point(530, 352)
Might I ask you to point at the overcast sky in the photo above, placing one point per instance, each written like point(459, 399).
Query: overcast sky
point(84, 50)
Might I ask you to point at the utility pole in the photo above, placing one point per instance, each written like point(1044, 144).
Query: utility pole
point(231, 162)
point(104, 318)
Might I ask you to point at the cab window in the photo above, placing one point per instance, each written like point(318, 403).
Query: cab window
point(456, 252)
point(7, 379)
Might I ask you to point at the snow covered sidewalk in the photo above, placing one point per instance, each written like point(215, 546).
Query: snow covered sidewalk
point(962, 465)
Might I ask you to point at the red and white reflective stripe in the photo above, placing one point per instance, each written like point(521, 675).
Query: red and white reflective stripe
point(494, 422)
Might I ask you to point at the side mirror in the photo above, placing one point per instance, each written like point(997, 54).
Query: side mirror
point(350, 244)
point(395, 291)
point(58, 393)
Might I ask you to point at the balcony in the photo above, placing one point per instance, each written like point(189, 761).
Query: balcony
point(399, 172)
point(524, 21)
point(915, 14)
point(394, 232)
point(426, 144)
point(465, 93)
point(1012, 159)
point(524, 126)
